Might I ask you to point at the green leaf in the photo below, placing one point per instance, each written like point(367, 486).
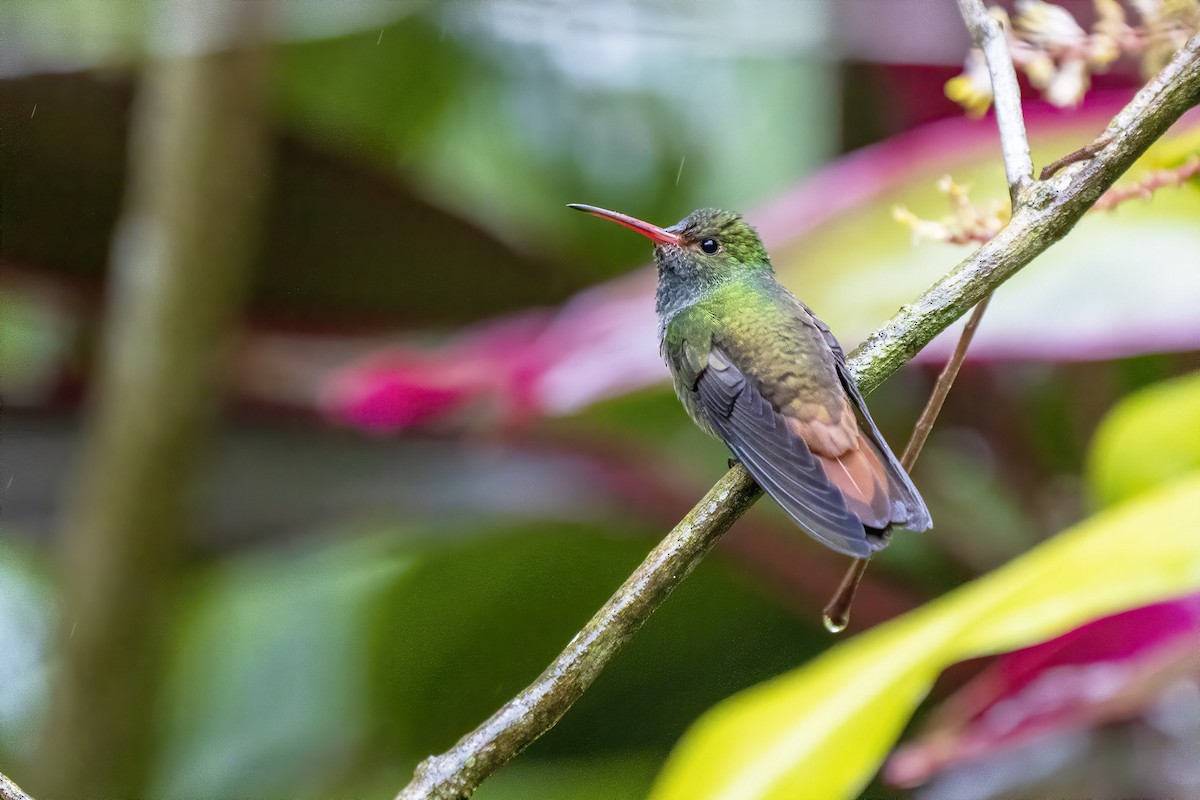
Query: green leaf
point(1150, 437)
point(373, 94)
point(266, 690)
point(472, 623)
point(822, 730)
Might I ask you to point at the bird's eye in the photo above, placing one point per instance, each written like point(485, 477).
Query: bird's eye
point(710, 246)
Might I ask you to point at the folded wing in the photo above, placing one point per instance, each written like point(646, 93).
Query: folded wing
point(818, 454)
point(780, 460)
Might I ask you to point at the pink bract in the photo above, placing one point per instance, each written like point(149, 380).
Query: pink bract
point(1108, 669)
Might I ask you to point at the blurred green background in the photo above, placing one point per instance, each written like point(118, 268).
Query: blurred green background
point(336, 598)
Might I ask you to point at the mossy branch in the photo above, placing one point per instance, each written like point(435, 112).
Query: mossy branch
point(10, 791)
point(1047, 212)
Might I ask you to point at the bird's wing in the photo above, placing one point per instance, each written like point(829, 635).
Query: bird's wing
point(762, 437)
point(913, 514)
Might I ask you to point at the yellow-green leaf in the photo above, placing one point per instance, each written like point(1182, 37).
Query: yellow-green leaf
point(821, 731)
point(1151, 437)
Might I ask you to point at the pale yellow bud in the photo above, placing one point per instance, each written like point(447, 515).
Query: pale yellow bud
point(1040, 69)
point(1104, 47)
point(1047, 25)
point(920, 228)
point(973, 88)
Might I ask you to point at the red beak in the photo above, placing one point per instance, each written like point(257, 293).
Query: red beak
point(652, 232)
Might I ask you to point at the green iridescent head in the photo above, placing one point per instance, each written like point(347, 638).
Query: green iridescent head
point(713, 243)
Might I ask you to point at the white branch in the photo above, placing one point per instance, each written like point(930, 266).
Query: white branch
point(10, 791)
point(1006, 93)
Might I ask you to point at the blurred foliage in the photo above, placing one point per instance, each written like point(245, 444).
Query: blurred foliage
point(823, 729)
point(604, 777)
point(1080, 300)
point(1151, 437)
point(34, 342)
point(267, 691)
point(319, 666)
point(422, 153)
point(511, 602)
point(25, 611)
point(417, 158)
point(405, 78)
point(342, 243)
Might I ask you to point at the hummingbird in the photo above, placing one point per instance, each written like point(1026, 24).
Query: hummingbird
point(754, 367)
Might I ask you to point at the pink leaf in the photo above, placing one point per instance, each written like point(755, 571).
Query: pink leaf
point(1108, 669)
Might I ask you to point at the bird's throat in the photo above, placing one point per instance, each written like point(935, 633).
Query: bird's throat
point(675, 293)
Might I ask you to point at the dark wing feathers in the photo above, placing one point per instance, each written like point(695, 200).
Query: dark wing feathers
point(913, 515)
point(838, 498)
point(778, 460)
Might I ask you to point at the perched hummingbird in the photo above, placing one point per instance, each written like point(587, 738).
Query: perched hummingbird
point(754, 367)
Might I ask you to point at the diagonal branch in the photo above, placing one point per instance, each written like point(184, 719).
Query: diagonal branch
point(10, 791)
point(1049, 210)
point(985, 30)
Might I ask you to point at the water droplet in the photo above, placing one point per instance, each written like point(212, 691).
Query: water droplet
point(835, 625)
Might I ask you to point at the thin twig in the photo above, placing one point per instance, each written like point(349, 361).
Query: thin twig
point(941, 388)
point(1073, 157)
point(985, 30)
point(1052, 209)
point(10, 791)
point(836, 615)
point(1145, 187)
point(1049, 212)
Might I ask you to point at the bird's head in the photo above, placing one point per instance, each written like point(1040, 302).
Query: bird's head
point(708, 245)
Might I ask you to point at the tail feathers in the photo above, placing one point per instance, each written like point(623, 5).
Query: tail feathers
point(873, 493)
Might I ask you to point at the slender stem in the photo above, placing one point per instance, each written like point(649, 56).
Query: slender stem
point(941, 388)
point(10, 791)
point(1145, 187)
point(1073, 157)
point(1048, 212)
point(989, 37)
point(836, 614)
